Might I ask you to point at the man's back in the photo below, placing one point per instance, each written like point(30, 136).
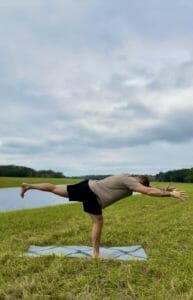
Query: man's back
point(113, 188)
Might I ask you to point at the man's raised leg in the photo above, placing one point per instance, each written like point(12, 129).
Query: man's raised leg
point(45, 187)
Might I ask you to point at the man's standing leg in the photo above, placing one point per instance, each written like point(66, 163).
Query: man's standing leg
point(96, 233)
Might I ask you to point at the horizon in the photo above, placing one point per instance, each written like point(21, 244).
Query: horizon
point(93, 174)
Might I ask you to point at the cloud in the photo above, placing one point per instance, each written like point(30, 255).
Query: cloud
point(94, 86)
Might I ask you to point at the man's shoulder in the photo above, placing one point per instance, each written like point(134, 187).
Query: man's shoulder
point(130, 181)
point(124, 175)
point(117, 176)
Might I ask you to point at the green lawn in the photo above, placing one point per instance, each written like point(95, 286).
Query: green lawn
point(163, 226)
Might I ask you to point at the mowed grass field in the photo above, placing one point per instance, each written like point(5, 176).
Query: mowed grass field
point(163, 226)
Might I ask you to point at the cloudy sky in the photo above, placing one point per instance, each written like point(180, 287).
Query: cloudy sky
point(96, 87)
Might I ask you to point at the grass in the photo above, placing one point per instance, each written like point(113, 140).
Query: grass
point(163, 226)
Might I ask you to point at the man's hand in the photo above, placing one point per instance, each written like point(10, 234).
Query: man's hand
point(169, 188)
point(179, 194)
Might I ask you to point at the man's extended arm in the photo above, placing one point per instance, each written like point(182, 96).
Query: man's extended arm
point(168, 192)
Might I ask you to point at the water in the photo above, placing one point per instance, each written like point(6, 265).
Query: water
point(10, 199)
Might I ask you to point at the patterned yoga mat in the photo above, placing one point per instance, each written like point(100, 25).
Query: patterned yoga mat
point(119, 253)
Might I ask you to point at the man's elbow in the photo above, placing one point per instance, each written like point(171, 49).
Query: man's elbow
point(153, 192)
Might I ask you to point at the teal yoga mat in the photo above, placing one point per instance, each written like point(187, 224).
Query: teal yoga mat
point(119, 253)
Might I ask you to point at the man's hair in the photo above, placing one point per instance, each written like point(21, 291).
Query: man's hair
point(144, 180)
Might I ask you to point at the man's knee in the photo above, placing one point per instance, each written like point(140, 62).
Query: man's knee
point(97, 219)
point(60, 191)
point(100, 219)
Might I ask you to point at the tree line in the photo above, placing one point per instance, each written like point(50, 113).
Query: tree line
point(182, 175)
point(20, 171)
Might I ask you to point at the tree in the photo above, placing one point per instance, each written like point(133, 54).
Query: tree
point(20, 171)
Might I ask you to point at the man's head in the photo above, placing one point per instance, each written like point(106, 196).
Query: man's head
point(143, 180)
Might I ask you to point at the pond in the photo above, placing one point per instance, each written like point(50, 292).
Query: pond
point(10, 199)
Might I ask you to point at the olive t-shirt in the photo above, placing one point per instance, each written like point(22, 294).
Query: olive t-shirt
point(113, 188)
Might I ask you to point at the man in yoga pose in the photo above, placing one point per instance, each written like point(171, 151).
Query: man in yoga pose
point(97, 194)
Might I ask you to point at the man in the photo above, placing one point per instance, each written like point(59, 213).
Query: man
point(98, 194)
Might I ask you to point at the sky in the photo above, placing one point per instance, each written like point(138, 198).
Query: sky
point(96, 87)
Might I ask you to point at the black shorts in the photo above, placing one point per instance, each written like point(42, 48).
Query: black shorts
point(82, 192)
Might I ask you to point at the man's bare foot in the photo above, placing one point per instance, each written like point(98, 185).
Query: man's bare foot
point(24, 188)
